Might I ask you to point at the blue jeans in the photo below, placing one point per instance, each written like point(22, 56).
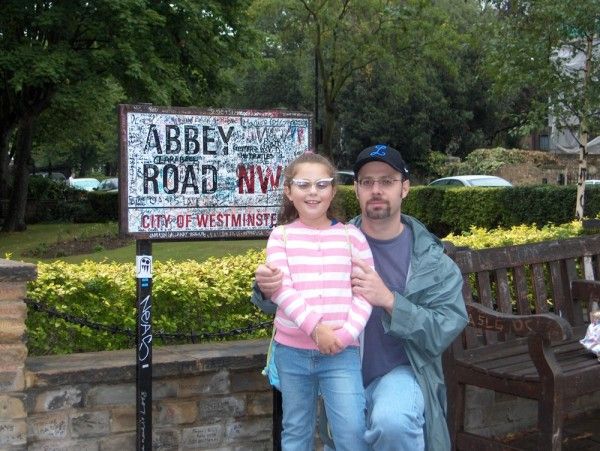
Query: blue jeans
point(303, 374)
point(395, 412)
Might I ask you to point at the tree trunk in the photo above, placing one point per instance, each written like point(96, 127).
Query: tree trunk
point(583, 139)
point(5, 132)
point(3, 165)
point(583, 131)
point(328, 129)
point(15, 219)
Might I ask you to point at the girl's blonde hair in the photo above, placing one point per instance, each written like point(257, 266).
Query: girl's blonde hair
point(287, 212)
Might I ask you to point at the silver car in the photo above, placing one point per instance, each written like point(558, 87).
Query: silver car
point(470, 180)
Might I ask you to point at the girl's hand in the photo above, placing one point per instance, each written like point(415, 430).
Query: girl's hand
point(269, 279)
point(326, 340)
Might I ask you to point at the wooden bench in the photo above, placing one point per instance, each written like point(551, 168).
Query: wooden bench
point(528, 307)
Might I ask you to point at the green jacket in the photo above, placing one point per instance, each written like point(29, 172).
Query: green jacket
point(427, 317)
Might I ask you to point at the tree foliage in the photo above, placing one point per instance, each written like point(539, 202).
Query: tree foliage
point(549, 51)
point(427, 92)
point(159, 52)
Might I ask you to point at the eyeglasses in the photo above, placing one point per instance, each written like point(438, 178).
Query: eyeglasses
point(384, 182)
point(305, 185)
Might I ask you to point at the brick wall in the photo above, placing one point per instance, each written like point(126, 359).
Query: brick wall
point(13, 352)
point(204, 397)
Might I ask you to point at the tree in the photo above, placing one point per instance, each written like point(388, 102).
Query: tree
point(83, 140)
point(536, 48)
point(161, 52)
point(427, 91)
point(343, 36)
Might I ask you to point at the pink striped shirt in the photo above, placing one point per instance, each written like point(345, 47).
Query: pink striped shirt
point(316, 266)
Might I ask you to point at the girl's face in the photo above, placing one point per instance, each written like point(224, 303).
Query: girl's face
point(311, 192)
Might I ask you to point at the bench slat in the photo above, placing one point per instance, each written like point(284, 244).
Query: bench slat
point(520, 281)
point(528, 254)
point(539, 288)
point(560, 291)
point(503, 290)
point(484, 289)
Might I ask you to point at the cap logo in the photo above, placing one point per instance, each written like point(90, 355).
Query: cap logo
point(379, 151)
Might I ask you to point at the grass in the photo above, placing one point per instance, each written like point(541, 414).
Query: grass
point(40, 236)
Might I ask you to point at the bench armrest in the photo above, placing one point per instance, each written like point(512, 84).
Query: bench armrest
point(546, 325)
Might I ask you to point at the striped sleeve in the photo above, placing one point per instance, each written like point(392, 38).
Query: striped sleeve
point(287, 298)
point(360, 309)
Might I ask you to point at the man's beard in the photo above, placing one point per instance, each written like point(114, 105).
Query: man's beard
point(379, 212)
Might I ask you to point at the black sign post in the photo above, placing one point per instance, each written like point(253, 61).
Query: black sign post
point(144, 345)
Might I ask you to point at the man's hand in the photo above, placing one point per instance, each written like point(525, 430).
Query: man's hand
point(268, 278)
point(367, 283)
point(326, 340)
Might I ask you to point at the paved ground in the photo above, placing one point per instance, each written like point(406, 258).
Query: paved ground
point(581, 433)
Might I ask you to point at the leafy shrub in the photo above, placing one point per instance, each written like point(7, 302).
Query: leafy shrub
point(488, 161)
point(454, 210)
point(44, 188)
point(347, 202)
point(480, 238)
point(187, 297)
point(105, 205)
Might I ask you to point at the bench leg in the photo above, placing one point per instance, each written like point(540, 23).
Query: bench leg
point(550, 422)
point(456, 410)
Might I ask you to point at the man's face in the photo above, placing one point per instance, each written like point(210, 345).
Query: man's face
point(380, 190)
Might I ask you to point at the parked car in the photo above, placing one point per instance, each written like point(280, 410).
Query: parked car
point(470, 180)
point(592, 182)
point(86, 184)
point(345, 177)
point(111, 184)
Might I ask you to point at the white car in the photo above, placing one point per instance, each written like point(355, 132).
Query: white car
point(470, 180)
point(86, 184)
point(109, 185)
point(345, 177)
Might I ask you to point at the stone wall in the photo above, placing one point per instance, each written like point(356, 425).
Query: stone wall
point(548, 168)
point(13, 352)
point(204, 397)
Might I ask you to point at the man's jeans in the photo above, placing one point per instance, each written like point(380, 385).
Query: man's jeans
point(303, 374)
point(395, 412)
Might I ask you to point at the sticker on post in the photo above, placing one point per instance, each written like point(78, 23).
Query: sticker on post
point(143, 266)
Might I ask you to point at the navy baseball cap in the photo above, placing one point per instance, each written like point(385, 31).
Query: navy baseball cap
point(384, 153)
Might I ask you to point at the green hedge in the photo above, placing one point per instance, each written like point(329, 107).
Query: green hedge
point(443, 210)
point(187, 297)
point(454, 210)
point(458, 209)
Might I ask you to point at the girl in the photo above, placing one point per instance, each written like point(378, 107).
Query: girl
point(318, 320)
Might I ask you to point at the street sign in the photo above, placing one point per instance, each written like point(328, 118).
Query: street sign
point(204, 174)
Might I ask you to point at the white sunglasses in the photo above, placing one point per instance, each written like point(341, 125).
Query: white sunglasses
point(305, 185)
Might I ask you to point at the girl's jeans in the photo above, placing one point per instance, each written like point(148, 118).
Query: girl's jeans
point(303, 374)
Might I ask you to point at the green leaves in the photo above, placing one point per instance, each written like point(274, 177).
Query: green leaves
point(186, 297)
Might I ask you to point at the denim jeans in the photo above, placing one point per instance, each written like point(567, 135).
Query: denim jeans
point(395, 412)
point(303, 374)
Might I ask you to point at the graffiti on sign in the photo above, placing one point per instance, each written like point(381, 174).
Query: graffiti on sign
point(194, 174)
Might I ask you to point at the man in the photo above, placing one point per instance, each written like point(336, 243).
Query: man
point(418, 310)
